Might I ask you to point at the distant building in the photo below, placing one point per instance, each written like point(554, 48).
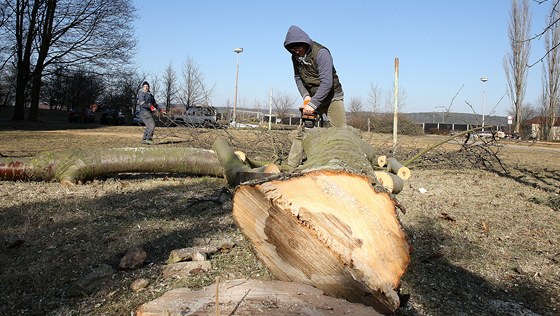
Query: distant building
point(448, 122)
point(535, 126)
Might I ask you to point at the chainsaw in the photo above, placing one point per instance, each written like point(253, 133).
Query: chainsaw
point(310, 120)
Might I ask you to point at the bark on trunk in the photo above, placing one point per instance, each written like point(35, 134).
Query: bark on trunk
point(329, 223)
point(74, 166)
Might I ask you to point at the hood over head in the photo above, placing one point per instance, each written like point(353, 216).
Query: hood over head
point(296, 35)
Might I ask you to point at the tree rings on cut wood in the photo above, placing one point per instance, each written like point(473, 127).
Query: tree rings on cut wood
point(330, 229)
point(382, 161)
point(393, 183)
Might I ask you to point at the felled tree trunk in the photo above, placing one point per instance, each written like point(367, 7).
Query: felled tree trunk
point(329, 223)
point(79, 165)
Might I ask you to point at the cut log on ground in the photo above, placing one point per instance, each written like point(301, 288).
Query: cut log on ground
point(252, 297)
point(79, 165)
point(397, 168)
point(329, 224)
point(393, 183)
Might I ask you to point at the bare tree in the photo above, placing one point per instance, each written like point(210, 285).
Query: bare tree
point(551, 22)
point(356, 105)
point(194, 90)
point(122, 91)
point(228, 110)
point(516, 61)
point(83, 89)
point(390, 100)
point(24, 23)
point(357, 118)
point(155, 85)
point(7, 85)
point(54, 90)
point(94, 34)
point(6, 48)
point(551, 75)
point(374, 98)
point(169, 86)
point(283, 103)
point(530, 111)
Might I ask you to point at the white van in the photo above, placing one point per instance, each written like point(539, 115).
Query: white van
point(197, 116)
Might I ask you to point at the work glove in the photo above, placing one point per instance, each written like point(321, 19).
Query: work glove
point(305, 101)
point(306, 108)
point(152, 108)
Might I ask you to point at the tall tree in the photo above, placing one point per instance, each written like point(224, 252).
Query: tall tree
point(374, 98)
point(6, 49)
point(550, 23)
point(169, 86)
point(121, 92)
point(194, 90)
point(44, 36)
point(95, 34)
point(24, 24)
point(155, 87)
point(83, 89)
point(516, 61)
point(54, 91)
point(551, 75)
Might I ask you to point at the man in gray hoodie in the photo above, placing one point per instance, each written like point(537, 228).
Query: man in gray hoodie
point(145, 105)
point(316, 77)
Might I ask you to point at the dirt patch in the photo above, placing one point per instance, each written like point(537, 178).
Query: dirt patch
point(485, 236)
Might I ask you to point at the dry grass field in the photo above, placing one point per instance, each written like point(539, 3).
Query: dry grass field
point(485, 232)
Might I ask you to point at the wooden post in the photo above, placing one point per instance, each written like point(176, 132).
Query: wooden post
point(396, 111)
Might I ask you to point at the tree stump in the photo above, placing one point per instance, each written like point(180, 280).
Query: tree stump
point(329, 223)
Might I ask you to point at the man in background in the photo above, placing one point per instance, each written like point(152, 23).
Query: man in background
point(145, 105)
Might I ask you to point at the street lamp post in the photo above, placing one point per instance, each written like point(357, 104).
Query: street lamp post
point(483, 79)
point(237, 50)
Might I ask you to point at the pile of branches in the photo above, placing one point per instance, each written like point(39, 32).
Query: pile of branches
point(480, 155)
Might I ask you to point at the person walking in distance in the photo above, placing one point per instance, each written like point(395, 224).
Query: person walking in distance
point(146, 104)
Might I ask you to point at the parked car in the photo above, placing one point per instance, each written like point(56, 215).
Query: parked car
point(197, 116)
point(491, 134)
point(112, 117)
point(83, 116)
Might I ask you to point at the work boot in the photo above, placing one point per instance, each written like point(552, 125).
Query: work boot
point(147, 141)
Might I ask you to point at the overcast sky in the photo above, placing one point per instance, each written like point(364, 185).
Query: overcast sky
point(442, 45)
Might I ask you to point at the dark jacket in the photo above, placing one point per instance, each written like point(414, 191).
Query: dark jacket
point(315, 74)
point(144, 100)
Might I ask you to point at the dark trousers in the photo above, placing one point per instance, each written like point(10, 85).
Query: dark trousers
point(149, 123)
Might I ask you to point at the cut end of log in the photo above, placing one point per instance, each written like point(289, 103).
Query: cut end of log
point(381, 161)
point(271, 168)
point(393, 183)
point(329, 229)
point(398, 168)
point(241, 155)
